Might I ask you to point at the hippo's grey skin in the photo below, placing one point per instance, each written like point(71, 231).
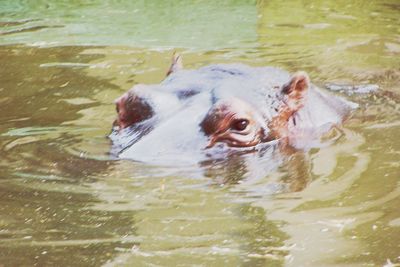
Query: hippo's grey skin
point(182, 119)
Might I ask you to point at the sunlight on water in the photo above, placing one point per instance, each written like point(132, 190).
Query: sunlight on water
point(66, 202)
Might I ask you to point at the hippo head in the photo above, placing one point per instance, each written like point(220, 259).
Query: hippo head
point(238, 123)
point(236, 107)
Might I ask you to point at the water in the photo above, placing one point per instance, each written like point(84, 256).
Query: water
point(65, 202)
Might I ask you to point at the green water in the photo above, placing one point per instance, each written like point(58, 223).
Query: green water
point(64, 202)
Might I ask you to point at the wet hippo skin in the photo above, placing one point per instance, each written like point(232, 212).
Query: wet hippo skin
point(233, 105)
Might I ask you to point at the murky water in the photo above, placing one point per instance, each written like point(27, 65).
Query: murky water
point(65, 202)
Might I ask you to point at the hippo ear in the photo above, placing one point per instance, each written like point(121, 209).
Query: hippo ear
point(295, 91)
point(297, 85)
point(176, 64)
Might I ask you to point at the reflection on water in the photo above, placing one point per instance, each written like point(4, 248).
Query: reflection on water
point(138, 23)
point(61, 193)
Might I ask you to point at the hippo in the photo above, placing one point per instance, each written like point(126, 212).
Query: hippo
point(197, 114)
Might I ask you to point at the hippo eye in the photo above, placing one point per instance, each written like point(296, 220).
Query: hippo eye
point(240, 125)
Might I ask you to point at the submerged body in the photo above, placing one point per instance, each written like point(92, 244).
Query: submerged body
point(195, 114)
